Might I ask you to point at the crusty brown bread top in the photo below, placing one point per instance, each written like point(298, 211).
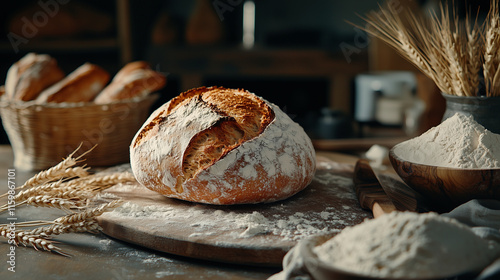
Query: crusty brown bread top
point(81, 85)
point(138, 82)
point(29, 76)
point(245, 116)
point(129, 68)
point(249, 111)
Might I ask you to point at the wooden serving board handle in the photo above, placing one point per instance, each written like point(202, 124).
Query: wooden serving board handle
point(370, 193)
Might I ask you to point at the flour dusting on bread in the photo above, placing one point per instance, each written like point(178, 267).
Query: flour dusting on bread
point(222, 146)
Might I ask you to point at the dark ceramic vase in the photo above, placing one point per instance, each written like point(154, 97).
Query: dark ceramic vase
point(485, 110)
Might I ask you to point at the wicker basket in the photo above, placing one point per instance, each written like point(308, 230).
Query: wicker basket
point(42, 135)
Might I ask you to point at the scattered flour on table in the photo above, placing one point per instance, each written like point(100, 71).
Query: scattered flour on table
point(163, 274)
point(344, 185)
point(293, 227)
point(124, 188)
point(105, 243)
point(408, 245)
point(140, 256)
point(331, 165)
point(117, 169)
point(327, 178)
point(458, 142)
point(245, 225)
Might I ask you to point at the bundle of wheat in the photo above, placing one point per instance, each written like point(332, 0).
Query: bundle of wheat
point(449, 51)
point(67, 187)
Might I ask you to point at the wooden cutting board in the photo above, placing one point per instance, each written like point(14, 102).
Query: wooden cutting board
point(258, 234)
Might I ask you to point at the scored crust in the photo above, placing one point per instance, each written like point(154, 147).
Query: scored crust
point(206, 128)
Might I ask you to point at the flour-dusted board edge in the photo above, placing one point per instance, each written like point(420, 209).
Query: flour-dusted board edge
point(258, 234)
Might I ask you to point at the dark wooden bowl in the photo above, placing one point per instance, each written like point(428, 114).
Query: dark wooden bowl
point(445, 187)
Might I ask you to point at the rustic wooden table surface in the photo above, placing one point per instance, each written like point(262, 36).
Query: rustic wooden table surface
point(96, 256)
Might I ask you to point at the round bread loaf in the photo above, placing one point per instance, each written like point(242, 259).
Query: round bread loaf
point(222, 146)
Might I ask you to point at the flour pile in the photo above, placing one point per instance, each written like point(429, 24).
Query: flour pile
point(458, 142)
point(408, 245)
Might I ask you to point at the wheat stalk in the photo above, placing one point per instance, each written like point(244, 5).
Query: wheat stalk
point(52, 175)
point(102, 182)
point(33, 240)
point(68, 188)
point(386, 26)
point(82, 188)
point(474, 49)
point(38, 238)
point(84, 221)
point(38, 196)
point(58, 171)
point(491, 46)
point(39, 190)
point(29, 224)
point(452, 48)
point(55, 202)
point(88, 184)
point(88, 214)
point(56, 229)
point(429, 33)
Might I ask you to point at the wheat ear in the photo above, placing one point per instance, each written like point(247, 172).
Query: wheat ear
point(55, 202)
point(88, 214)
point(84, 185)
point(474, 50)
point(386, 25)
point(56, 229)
point(442, 47)
point(31, 240)
point(491, 45)
point(39, 190)
point(52, 175)
point(101, 182)
point(56, 171)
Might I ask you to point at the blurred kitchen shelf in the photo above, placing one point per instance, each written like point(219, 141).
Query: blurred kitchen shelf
point(65, 45)
point(192, 64)
point(356, 144)
point(378, 135)
point(380, 131)
point(121, 42)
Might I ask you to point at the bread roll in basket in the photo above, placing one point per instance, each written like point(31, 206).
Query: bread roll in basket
point(42, 135)
point(222, 146)
point(48, 115)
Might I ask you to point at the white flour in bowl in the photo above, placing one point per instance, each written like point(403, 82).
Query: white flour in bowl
point(458, 142)
point(409, 245)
